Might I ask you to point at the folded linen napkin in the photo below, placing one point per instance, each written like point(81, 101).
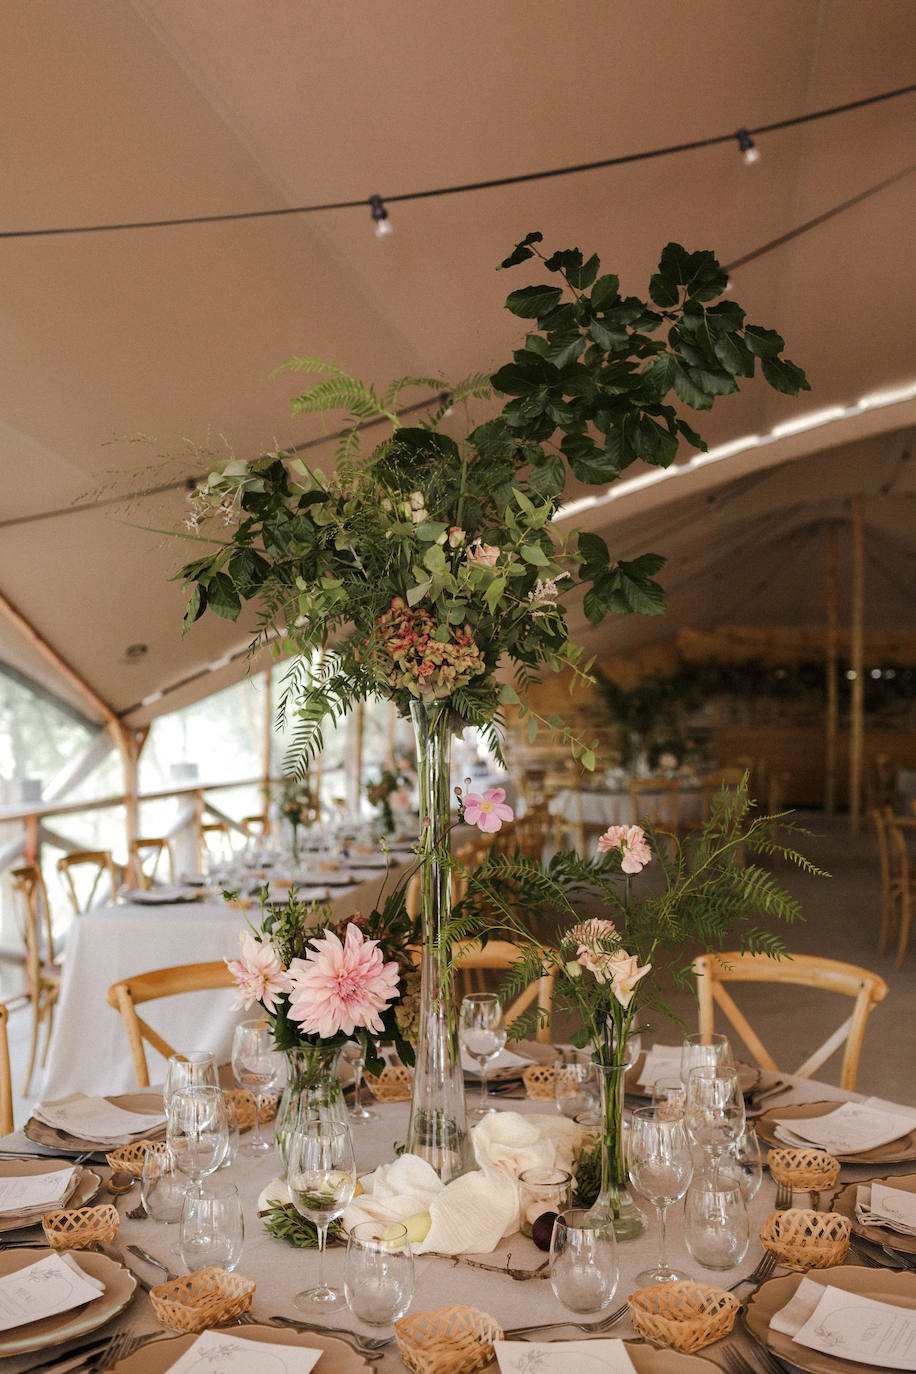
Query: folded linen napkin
point(892, 1208)
point(853, 1128)
point(96, 1119)
point(31, 1195)
point(849, 1326)
point(512, 1143)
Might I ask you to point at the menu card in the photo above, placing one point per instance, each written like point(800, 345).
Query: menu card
point(29, 1192)
point(849, 1326)
point(563, 1357)
point(95, 1118)
point(879, 1205)
point(852, 1128)
point(661, 1061)
point(51, 1285)
point(218, 1350)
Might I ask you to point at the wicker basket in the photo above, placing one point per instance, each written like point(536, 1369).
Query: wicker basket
point(802, 1239)
point(129, 1158)
point(538, 1081)
point(804, 1169)
point(685, 1316)
point(209, 1297)
point(81, 1228)
point(244, 1106)
point(393, 1084)
point(454, 1340)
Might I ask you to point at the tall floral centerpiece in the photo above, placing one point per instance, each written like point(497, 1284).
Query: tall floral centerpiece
point(412, 573)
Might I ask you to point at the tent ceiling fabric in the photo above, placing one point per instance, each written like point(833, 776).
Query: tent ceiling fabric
point(120, 347)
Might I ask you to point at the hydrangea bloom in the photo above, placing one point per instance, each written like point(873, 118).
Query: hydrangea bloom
point(489, 811)
point(631, 841)
point(341, 986)
point(259, 975)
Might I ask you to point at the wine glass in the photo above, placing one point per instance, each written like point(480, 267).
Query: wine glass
point(660, 1167)
point(714, 1111)
point(162, 1188)
point(353, 1054)
point(260, 1067)
point(189, 1069)
point(716, 1227)
point(482, 1035)
point(743, 1162)
point(321, 1174)
point(575, 1086)
point(378, 1274)
point(583, 1261)
point(705, 1049)
point(212, 1227)
point(197, 1133)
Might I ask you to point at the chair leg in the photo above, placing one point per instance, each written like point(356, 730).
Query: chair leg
point(36, 1019)
point(49, 1008)
point(904, 925)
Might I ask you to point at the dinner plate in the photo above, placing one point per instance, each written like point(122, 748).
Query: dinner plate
point(845, 1204)
point(86, 1188)
point(748, 1078)
point(647, 1360)
point(120, 1285)
point(144, 1103)
point(339, 1357)
point(893, 1152)
point(883, 1285)
point(532, 1050)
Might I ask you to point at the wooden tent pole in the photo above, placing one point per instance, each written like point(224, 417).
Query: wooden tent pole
point(61, 666)
point(266, 743)
point(857, 655)
point(831, 668)
point(131, 744)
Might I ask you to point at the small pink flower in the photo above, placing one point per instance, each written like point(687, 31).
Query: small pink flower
point(593, 938)
point(631, 841)
point(487, 555)
point(489, 811)
point(259, 975)
point(339, 987)
point(624, 973)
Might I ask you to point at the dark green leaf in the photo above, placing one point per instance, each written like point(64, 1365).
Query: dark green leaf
point(521, 251)
point(784, 376)
point(197, 604)
point(605, 291)
point(713, 380)
point(727, 315)
point(532, 301)
point(659, 374)
point(734, 355)
point(534, 554)
point(674, 263)
point(548, 478)
point(663, 291)
point(648, 564)
point(516, 380)
point(593, 553)
point(687, 391)
point(766, 343)
point(691, 436)
point(222, 597)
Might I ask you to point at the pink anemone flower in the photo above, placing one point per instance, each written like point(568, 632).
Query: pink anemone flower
point(631, 841)
point(489, 811)
point(341, 986)
point(259, 975)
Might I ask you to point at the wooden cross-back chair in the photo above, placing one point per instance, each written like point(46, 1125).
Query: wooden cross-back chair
point(656, 801)
point(98, 865)
point(215, 839)
point(804, 970)
point(727, 778)
point(501, 955)
point(900, 829)
point(147, 855)
point(890, 883)
point(6, 1082)
point(256, 826)
point(41, 970)
point(129, 993)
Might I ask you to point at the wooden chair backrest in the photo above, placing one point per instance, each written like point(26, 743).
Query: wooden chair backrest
point(804, 970)
point(256, 825)
point(6, 1083)
point(657, 800)
point(29, 885)
point(100, 864)
point(501, 954)
point(152, 848)
point(727, 778)
point(129, 993)
point(897, 829)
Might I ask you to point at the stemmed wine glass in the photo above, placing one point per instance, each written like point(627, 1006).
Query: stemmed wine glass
point(189, 1069)
point(321, 1174)
point(661, 1167)
point(482, 1035)
point(260, 1067)
point(353, 1054)
point(198, 1132)
point(705, 1049)
point(714, 1112)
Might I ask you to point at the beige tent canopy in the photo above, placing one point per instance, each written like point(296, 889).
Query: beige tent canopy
point(122, 348)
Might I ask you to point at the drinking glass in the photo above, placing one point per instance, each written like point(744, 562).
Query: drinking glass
point(482, 1036)
point(259, 1067)
point(353, 1054)
point(197, 1132)
point(669, 1094)
point(378, 1273)
point(583, 1261)
point(232, 1124)
point(162, 1188)
point(743, 1163)
point(716, 1228)
point(706, 1049)
point(714, 1111)
point(660, 1167)
point(321, 1174)
point(189, 1069)
point(539, 1191)
point(212, 1227)
point(575, 1086)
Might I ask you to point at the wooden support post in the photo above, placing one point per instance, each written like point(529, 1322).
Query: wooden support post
point(198, 798)
point(857, 657)
point(131, 743)
point(266, 746)
point(831, 672)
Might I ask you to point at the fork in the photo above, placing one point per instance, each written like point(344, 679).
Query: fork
point(151, 1259)
point(122, 1344)
point(764, 1268)
point(365, 1344)
point(737, 1363)
point(601, 1325)
point(783, 1196)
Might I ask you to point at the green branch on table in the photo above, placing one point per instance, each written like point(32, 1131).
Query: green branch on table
point(285, 1223)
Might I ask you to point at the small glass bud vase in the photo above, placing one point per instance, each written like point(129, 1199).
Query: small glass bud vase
point(540, 1191)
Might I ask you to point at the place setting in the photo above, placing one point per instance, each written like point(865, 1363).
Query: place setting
point(81, 1123)
point(869, 1132)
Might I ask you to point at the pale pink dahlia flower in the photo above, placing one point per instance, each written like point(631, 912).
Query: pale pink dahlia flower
point(259, 975)
point(339, 987)
point(631, 841)
point(489, 811)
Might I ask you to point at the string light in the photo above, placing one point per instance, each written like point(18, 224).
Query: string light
point(383, 226)
point(749, 150)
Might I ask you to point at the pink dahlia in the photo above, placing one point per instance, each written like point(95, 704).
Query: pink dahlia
point(489, 811)
point(341, 986)
point(631, 841)
point(259, 975)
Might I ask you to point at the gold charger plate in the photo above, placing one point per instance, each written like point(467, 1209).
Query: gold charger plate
point(144, 1103)
point(845, 1204)
point(338, 1357)
point(893, 1152)
point(748, 1078)
point(646, 1359)
point(86, 1188)
point(883, 1285)
point(534, 1052)
point(120, 1286)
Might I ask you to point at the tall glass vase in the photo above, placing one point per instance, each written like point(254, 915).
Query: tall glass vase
point(615, 1203)
point(312, 1088)
point(438, 1128)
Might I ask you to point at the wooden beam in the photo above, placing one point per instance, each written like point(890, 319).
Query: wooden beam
point(131, 744)
point(60, 665)
point(857, 663)
point(833, 709)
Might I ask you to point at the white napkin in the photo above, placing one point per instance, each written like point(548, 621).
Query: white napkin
point(662, 1061)
point(563, 1357)
point(219, 1350)
point(878, 1205)
point(29, 1195)
point(53, 1284)
point(161, 896)
point(513, 1143)
point(849, 1326)
point(851, 1129)
point(96, 1119)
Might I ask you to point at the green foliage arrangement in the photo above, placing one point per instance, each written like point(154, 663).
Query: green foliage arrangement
point(283, 1222)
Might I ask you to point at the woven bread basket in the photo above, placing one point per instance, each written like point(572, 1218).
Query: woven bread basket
point(684, 1316)
point(129, 1158)
point(453, 1340)
point(801, 1239)
point(803, 1169)
point(538, 1080)
point(209, 1297)
point(80, 1228)
point(244, 1106)
point(393, 1084)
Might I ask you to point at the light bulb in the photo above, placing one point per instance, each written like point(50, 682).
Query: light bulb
point(749, 150)
point(382, 223)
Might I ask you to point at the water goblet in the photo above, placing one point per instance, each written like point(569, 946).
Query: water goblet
point(714, 1111)
point(232, 1124)
point(162, 1187)
point(482, 1035)
point(660, 1167)
point(260, 1067)
point(743, 1162)
point(197, 1132)
point(189, 1069)
point(583, 1261)
point(705, 1049)
point(378, 1273)
point(716, 1227)
point(353, 1054)
point(212, 1227)
point(321, 1174)
point(575, 1086)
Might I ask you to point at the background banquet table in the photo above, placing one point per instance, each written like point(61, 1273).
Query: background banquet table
point(88, 1051)
point(280, 1271)
point(612, 806)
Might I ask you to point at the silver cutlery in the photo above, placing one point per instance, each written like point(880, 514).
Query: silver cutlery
point(603, 1325)
point(736, 1363)
point(762, 1271)
point(151, 1259)
point(138, 1213)
point(900, 1257)
point(365, 1344)
point(783, 1196)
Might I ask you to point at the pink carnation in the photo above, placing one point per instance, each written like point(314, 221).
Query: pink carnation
point(631, 841)
point(259, 975)
point(489, 811)
point(341, 986)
